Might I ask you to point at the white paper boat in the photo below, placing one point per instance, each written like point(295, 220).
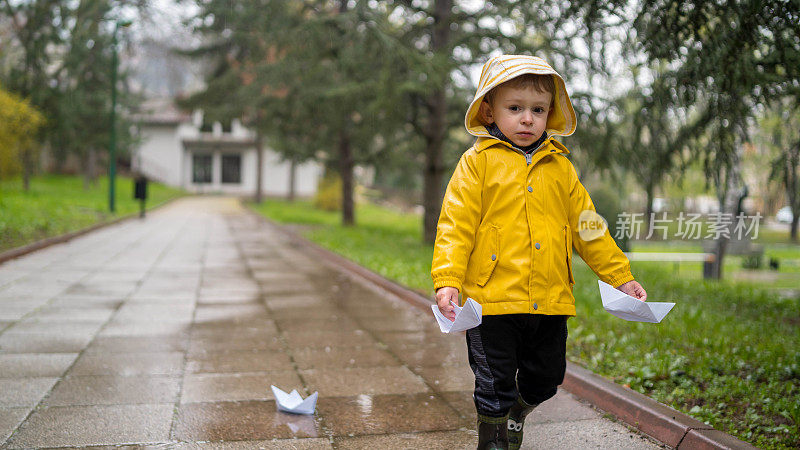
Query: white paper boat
point(293, 402)
point(468, 316)
point(630, 308)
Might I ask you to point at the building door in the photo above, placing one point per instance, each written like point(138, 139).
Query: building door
point(201, 168)
point(232, 169)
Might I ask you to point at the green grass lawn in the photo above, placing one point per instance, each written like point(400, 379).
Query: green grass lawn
point(57, 204)
point(767, 236)
point(727, 354)
point(786, 278)
point(379, 233)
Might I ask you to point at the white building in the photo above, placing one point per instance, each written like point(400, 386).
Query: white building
point(175, 151)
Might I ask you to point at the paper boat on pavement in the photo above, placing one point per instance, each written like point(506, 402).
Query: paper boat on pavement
point(293, 402)
point(468, 316)
point(626, 307)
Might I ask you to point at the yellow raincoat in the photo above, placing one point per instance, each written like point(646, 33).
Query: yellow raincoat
point(509, 221)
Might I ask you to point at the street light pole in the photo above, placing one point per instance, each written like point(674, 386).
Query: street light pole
point(112, 146)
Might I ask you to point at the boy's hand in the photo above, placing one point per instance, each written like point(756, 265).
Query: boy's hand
point(634, 289)
point(444, 296)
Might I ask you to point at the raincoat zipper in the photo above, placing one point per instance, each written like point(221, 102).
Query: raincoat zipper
point(528, 156)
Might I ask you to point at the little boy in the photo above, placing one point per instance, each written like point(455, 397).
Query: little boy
point(509, 221)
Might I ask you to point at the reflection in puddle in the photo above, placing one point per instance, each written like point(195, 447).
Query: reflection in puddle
point(300, 426)
point(365, 404)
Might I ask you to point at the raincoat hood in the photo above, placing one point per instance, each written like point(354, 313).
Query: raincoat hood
point(561, 120)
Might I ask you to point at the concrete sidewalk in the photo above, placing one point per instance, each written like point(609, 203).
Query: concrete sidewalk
point(169, 331)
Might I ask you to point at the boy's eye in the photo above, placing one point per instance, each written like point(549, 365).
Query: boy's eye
point(514, 108)
point(538, 110)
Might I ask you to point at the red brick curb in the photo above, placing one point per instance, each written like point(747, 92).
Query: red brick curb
point(657, 420)
point(47, 242)
point(649, 416)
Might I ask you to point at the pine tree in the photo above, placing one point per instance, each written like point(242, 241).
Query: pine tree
point(726, 58)
point(34, 32)
point(309, 72)
point(729, 56)
point(59, 58)
point(450, 38)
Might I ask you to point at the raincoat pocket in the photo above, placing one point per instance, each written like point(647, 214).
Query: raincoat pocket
point(490, 248)
point(568, 243)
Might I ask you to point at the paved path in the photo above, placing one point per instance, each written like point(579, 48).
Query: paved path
point(170, 330)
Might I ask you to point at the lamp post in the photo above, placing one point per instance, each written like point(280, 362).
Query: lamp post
point(112, 146)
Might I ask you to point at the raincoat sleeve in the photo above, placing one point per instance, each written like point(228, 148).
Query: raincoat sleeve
point(601, 253)
point(458, 222)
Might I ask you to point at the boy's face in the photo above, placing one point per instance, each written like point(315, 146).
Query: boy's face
point(520, 113)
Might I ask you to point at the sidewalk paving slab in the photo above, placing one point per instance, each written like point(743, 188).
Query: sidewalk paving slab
point(94, 425)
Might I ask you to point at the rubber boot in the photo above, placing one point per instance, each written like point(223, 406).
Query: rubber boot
point(492, 433)
point(516, 421)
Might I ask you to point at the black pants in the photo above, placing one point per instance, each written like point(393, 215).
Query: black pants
point(514, 354)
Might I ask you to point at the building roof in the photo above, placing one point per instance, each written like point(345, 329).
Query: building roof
point(161, 111)
point(208, 142)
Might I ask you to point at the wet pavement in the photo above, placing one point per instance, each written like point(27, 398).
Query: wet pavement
point(169, 331)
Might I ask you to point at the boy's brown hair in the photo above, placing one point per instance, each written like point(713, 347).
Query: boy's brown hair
point(542, 83)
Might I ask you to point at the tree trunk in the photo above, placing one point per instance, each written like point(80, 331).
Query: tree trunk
point(259, 142)
point(436, 127)
point(719, 256)
point(791, 183)
point(648, 213)
point(292, 177)
point(27, 169)
point(346, 172)
point(434, 172)
point(86, 180)
point(58, 158)
point(728, 198)
point(346, 162)
point(88, 167)
point(92, 166)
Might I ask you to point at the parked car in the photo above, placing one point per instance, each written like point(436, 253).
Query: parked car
point(784, 215)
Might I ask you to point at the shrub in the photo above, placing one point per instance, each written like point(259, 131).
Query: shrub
point(19, 123)
point(752, 261)
point(329, 193)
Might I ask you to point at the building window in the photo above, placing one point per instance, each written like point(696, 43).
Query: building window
point(231, 169)
point(201, 168)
